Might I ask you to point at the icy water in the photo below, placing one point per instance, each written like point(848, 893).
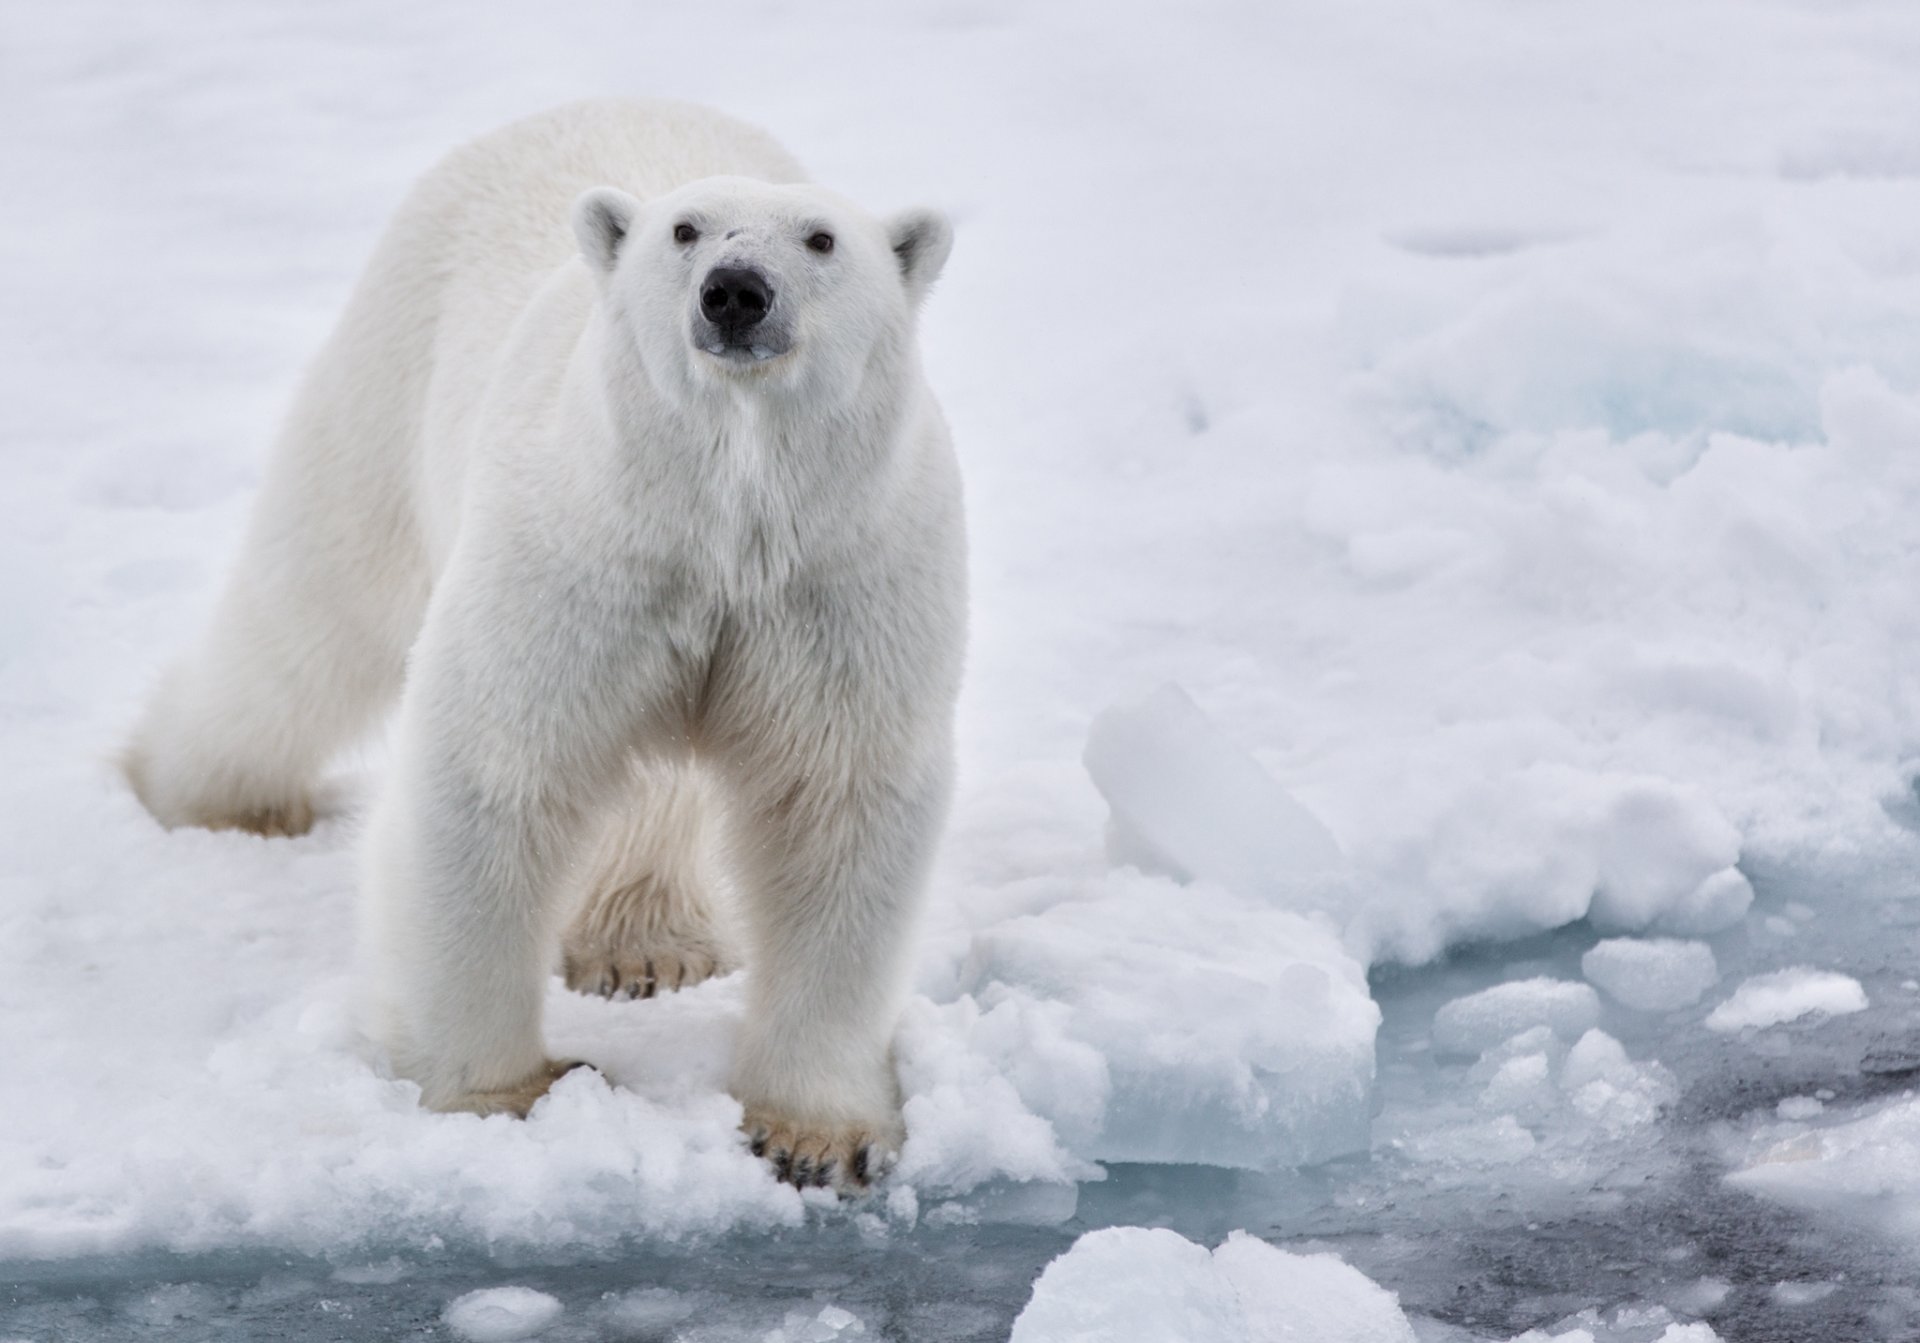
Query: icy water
point(1636, 1229)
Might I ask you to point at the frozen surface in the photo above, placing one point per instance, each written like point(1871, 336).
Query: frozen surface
point(1787, 995)
point(1527, 499)
point(501, 1314)
point(1656, 974)
point(1128, 1283)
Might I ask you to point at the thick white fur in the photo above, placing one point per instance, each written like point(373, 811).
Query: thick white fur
point(595, 549)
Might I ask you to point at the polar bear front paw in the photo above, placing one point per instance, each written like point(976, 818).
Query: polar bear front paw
point(845, 1157)
point(515, 1100)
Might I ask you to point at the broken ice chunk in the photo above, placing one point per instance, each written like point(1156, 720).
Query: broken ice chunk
point(1472, 1025)
point(1131, 1282)
point(1788, 995)
point(1190, 803)
point(1653, 974)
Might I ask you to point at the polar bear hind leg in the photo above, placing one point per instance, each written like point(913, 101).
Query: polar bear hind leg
point(649, 923)
point(309, 640)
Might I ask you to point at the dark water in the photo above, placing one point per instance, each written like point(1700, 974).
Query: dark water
point(1649, 1233)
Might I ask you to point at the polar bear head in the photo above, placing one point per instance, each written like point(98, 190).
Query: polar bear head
point(730, 284)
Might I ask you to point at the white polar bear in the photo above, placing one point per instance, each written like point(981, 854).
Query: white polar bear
point(660, 500)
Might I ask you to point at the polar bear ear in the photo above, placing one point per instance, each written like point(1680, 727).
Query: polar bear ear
point(602, 218)
point(921, 240)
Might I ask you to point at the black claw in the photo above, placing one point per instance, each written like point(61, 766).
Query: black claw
point(823, 1176)
point(860, 1159)
point(758, 1146)
point(802, 1172)
point(783, 1166)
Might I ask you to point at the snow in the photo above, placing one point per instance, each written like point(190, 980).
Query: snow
point(1651, 974)
point(1787, 995)
point(1126, 1283)
point(1473, 1024)
point(501, 1314)
point(1524, 509)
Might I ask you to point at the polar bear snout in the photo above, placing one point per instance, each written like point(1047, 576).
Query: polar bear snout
point(735, 298)
point(735, 302)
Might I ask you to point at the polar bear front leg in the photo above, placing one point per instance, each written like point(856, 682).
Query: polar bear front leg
point(834, 861)
point(509, 742)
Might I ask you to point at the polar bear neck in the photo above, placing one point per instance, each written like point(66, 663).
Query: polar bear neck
point(756, 483)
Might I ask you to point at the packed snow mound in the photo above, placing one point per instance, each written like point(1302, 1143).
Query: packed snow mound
point(1627, 852)
point(1651, 974)
point(501, 1314)
point(1470, 1025)
point(1189, 802)
point(1787, 995)
point(1156, 1022)
point(1125, 1284)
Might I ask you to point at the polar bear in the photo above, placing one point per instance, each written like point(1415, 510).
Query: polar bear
point(653, 527)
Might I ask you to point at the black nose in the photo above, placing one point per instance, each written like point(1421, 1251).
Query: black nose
point(735, 298)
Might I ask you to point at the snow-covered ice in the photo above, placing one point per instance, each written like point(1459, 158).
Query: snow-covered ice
point(1501, 422)
point(1655, 974)
point(1788, 995)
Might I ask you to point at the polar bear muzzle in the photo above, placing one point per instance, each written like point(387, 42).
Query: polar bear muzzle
point(734, 303)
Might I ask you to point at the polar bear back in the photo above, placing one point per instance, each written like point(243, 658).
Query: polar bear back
point(496, 210)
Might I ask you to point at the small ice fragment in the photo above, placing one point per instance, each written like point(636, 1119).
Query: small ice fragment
point(1652, 974)
point(1126, 1283)
point(1190, 803)
point(384, 1273)
point(1800, 1107)
point(500, 1314)
point(1802, 1293)
point(1609, 1088)
point(831, 1325)
point(1475, 1023)
point(1788, 995)
point(1702, 1295)
point(650, 1310)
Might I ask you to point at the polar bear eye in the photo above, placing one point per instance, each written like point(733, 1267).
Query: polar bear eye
point(821, 242)
point(685, 233)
